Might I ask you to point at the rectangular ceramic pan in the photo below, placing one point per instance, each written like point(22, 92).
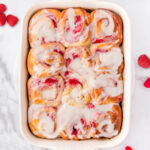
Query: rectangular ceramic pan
point(23, 76)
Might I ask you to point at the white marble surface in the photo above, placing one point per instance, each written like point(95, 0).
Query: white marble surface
point(10, 39)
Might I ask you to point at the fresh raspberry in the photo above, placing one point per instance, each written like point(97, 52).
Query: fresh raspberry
point(143, 61)
point(147, 83)
point(2, 19)
point(12, 20)
point(128, 148)
point(2, 8)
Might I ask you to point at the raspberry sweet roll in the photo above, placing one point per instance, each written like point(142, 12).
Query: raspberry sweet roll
point(42, 121)
point(76, 92)
point(107, 58)
point(46, 60)
point(106, 26)
point(74, 27)
point(43, 27)
point(76, 130)
point(106, 123)
point(77, 60)
point(108, 88)
point(76, 127)
point(47, 91)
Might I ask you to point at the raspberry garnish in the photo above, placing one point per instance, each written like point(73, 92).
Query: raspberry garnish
point(12, 20)
point(2, 8)
point(2, 19)
point(128, 148)
point(143, 61)
point(147, 83)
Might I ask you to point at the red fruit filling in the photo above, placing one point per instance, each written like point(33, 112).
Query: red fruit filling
point(101, 50)
point(66, 73)
point(75, 56)
point(73, 82)
point(51, 81)
point(91, 105)
point(68, 61)
point(74, 131)
point(105, 39)
point(58, 51)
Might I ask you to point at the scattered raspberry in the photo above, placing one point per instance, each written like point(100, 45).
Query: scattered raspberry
point(128, 148)
point(2, 19)
point(143, 61)
point(147, 83)
point(2, 8)
point(12, 20)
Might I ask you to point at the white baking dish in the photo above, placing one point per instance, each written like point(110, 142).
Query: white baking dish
point(23, 76)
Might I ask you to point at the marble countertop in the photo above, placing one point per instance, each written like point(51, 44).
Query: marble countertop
point(10, 43)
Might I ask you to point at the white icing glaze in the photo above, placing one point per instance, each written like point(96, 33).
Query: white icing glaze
point(70, 36)
point(110, 83)
point(46, 125)
point(42, 26)
point(49, 94)
point(42, 54)
point(107, 26)
point(111, 59)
